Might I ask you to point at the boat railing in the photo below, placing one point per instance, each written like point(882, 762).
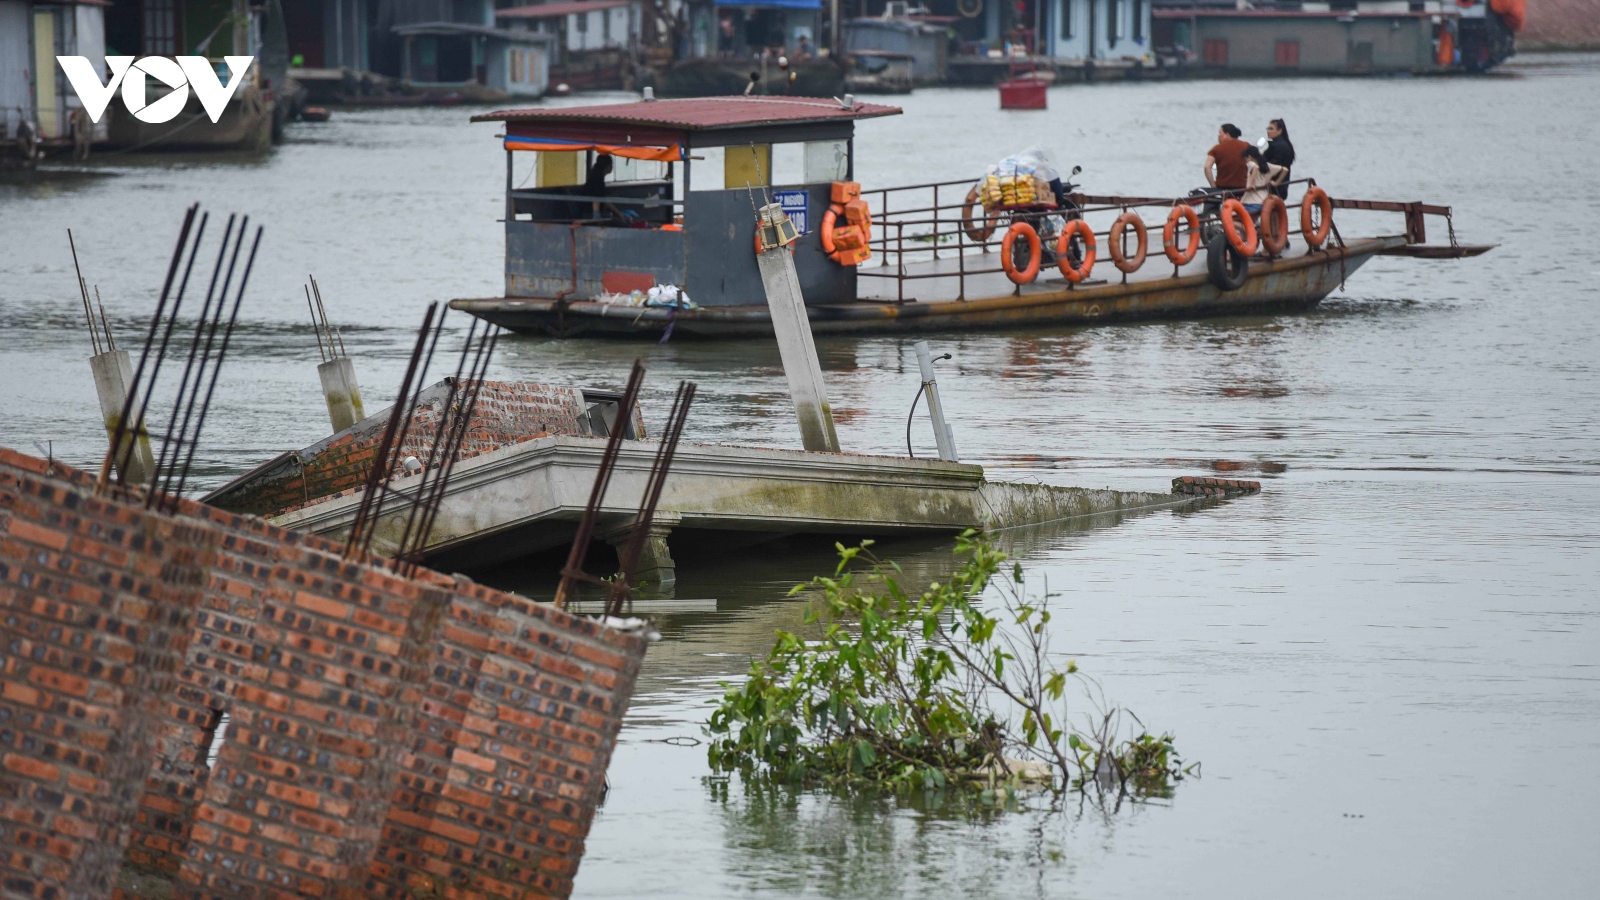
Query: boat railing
point(928, 227)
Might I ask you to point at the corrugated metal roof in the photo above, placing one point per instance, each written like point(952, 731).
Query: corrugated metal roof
point(555, 10)
point(699, 113)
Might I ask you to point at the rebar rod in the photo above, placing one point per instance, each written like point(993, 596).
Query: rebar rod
point(405, 425)
point(105, 324)
point(431, 496)
point(657, 480)
point(333, 333)
point(216, 369)
point(83, 291)
point(375, 474)
point(441, 430)
point(166, 336)
point(171, 446)
point(602, 479)
point(317, 330)
point(138, 373)
point(480, 368)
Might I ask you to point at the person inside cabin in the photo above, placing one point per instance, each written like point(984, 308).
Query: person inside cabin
point(594, 184)
point(1224, 165)
point(1260, 178)
point(802, 50)
point(1279, 152)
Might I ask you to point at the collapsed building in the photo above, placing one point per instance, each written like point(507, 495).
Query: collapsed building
point(198, 703)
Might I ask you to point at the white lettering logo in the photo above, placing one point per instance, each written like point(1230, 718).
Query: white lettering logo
point(179, 74)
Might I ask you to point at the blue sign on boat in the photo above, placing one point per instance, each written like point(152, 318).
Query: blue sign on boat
point(795, 205)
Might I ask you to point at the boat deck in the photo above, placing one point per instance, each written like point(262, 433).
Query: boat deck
point(1296, 280)
point(930, 279)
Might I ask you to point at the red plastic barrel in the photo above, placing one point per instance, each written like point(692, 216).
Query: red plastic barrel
point(1022, 93)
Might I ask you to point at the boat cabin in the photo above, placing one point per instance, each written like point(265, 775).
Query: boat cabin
point(678, 206)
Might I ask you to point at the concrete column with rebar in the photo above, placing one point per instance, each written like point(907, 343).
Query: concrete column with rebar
point(113, 373)
point(341, 392)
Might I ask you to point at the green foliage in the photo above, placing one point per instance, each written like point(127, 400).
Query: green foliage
point(906, 689)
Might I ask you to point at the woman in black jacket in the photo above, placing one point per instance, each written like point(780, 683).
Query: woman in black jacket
point(1279, 152)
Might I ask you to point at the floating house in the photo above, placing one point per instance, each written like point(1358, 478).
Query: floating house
point(1078, 39)
point(1353, 37)
point(39, 111)
point(593, 40)
point(923, 42)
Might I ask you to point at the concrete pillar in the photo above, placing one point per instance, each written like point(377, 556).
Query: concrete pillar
point(943, 435)
point(795, 346)
point(342, 393)
point(656, 573)
point(113, 373)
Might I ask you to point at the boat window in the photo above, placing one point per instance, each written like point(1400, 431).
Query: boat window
point(750, 164)
point(625, 169)
point(557, 169)
point(788, 164)
point(707, 163)
point(827, 161)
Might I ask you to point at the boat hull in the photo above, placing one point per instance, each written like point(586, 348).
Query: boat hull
point(1289, 284)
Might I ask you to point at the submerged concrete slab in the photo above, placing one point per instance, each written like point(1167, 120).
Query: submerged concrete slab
point(528, 497)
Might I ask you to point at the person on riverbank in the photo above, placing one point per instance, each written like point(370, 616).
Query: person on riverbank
point(1224, 166)
point(1279, 152)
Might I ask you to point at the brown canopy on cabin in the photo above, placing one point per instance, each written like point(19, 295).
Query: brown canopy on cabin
point(695, 122)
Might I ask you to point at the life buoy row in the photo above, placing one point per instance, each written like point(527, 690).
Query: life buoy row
point(848, 244)
point(1316, 220)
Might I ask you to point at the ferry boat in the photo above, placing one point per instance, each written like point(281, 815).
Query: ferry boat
point(666, 248)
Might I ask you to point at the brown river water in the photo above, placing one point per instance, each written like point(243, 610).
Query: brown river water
point(1388, 663)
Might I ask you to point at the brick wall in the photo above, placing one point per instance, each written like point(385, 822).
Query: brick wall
point(506, 413)
point(424, 734)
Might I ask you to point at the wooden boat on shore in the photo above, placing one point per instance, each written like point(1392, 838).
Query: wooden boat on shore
point(578, 264)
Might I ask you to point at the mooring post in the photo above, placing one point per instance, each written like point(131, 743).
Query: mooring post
point(113, 373)
point(793, 328)
point(943, 435)
point(340, 390)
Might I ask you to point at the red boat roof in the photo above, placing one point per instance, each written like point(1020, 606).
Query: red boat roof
point(698, 113)
point(554, 10)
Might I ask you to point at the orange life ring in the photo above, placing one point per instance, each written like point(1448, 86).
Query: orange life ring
point(826, 231)
point(1318, 198)
point(1065, 240)
point(1169, 235)
point(1233, 213)
point(1035, 253)
point(1129, 219)
point(1274, 224)
point(968, 224)
point(852, 236)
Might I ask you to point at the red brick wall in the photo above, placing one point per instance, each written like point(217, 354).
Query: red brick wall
point(336, 675)
point(509, 755)
point(96, 599)
point(507, 413)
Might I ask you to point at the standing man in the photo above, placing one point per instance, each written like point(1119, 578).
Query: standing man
point(1225, 166)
